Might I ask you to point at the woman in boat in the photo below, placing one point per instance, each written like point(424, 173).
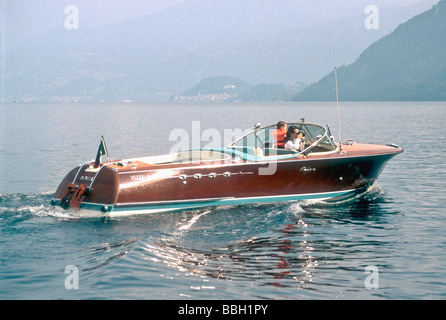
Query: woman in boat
point(279, 134)
point(294, 139)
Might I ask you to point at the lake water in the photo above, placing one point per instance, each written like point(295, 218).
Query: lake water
point(288, 250)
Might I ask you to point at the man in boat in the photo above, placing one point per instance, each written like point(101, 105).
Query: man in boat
point(279, 134)
point(294, 139)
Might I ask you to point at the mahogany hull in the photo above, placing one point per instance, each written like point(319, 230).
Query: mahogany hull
point(118, 189)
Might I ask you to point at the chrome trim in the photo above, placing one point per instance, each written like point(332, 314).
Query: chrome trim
point(307, 169)
point(326, 134)
point(80, 167)
point(94, 178)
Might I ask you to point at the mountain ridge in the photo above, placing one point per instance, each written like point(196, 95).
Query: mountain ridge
point(162, 54)
point(408, 64)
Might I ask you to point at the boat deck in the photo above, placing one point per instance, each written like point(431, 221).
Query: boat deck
point(227, 156)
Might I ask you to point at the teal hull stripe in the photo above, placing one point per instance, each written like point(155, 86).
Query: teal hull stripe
point(152, 208)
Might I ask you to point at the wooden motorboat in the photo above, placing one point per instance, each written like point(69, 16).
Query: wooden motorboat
point(252, 169)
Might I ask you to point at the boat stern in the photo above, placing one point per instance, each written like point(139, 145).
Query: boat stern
point(87, 187)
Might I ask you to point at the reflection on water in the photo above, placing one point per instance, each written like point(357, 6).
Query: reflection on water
point(319, 249)
point(301, 243)
point(267, 260)
point(104, 254)
point(300, 250)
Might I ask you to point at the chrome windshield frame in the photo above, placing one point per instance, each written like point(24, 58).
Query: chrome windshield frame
point(326, 135)
point(317, 140)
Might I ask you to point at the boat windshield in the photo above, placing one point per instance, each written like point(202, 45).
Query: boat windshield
point(317, 139)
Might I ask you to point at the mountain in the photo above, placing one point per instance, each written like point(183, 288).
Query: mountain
point(409, 64)
point(155, 56)
point(265, 92)
point(218, 85)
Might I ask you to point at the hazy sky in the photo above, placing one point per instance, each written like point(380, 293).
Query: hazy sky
point(196, 39)
point(20, 13)
point(127, 9)
point(24, 13)
point(123, 10)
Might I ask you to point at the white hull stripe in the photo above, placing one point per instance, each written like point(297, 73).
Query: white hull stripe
point(96, 209)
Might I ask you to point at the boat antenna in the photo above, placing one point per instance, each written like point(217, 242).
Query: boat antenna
point(337, 104)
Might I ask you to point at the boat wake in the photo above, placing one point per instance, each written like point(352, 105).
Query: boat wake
point(370, 193)
point(265, 243)
point(32, 205)
point(38, 205)
point(192, 221)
